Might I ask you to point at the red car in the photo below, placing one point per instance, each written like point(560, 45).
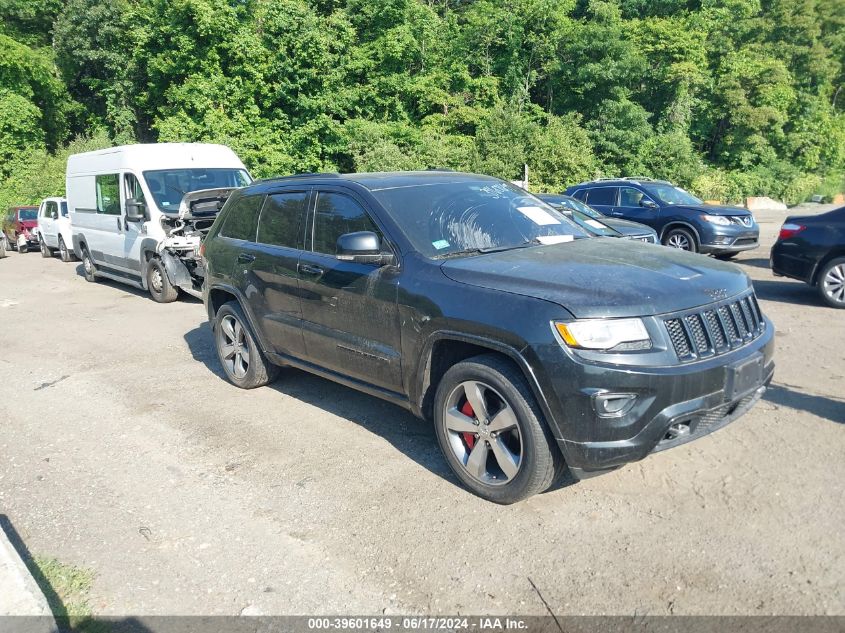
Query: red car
point(19, 227)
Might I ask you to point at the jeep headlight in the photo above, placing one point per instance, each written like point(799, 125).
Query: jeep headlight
point(605, 334)
point(716, 219)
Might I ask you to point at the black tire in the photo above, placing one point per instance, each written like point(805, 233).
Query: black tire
point(24, 248)
point(158, 283)
point(64, 253)
point(682, 239)
point(88, 267)
point(46, 251)
point(258, 371)
point(725, 256)
point(831, 284)
point(540, 462)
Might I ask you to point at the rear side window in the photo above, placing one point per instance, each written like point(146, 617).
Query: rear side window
point(242, 219)
point(281, 219)
point(337, 215)
point(64, 209)
point(52, 210)
point(602, 195)
point(108, 194)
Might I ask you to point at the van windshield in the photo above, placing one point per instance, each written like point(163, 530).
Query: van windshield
point(168, 186)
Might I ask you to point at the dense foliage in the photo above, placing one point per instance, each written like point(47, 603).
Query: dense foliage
point(728, 97)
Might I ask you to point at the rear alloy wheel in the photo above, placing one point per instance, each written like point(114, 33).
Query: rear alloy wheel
point(832, 283)
point(491, 431)
point(46, 251)
point(158, 282)
point(64, 253)
point(681, 239)
point(244, 363)
point(88, 265)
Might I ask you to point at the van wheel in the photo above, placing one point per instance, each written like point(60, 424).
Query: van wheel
point(88, 265)
point(244, 363)
point(681, 239)
point(64, 253)
point(46, 251)
point(832, 283)
point(23, 248)
point(158, 282)
point(492, 432)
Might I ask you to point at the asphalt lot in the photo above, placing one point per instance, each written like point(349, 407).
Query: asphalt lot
point(123, 450)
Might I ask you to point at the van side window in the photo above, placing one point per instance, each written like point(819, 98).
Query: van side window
point(64, 209)
point(52, 211)
point(336, 215)
point(242, 219)
point(281, 217)
point(108, 194)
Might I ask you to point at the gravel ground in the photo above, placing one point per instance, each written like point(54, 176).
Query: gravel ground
point(123, 450)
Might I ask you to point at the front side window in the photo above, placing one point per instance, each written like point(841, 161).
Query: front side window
point(602, 195)
point(169, 186)
point(336, 215)
point(52, 211)
point(133, 188)
point(242, 219)
point(108, 194)
point(630, 197)
point(281, 217)
point(466, 216)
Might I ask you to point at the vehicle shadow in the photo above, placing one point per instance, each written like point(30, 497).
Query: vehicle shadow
point(411, 436)
point(132, 290)
point(828, 407)
point(756, 262)
point(794, 292)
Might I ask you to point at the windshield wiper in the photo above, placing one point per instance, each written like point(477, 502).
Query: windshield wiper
point(489, 249)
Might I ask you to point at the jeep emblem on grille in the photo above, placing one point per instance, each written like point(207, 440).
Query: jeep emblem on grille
point(716, 293)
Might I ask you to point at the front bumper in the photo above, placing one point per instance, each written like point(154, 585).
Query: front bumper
point(730, 239)
point(673, 405)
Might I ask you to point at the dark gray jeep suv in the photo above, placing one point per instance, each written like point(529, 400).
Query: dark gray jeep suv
point(471, 303)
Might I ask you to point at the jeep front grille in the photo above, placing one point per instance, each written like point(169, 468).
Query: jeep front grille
point(716, 330)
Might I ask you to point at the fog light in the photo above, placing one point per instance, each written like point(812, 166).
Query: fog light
point(613, 405)
point(723, 240)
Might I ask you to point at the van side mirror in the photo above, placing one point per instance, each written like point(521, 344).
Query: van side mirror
point(136, 211)
point(647, 203)
point(362, 247)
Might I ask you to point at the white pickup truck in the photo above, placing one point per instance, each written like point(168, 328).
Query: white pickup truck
point(54, 232)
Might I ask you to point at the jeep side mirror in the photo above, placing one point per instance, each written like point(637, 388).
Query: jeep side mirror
point(136, 211)
point(362, 247)
point(647, 203)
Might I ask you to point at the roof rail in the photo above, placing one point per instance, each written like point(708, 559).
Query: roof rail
point(306, 174)
point(644, 179)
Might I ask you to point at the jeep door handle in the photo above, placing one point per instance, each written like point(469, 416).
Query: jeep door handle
point(308, 269)
point(246, 258)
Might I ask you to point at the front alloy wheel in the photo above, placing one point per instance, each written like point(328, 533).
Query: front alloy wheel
point(492, 432)
point(483, 433)
point(680, 239)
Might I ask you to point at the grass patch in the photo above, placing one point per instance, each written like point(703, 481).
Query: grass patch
point(66, 588)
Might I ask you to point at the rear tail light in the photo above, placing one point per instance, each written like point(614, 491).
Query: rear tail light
point(790, 230)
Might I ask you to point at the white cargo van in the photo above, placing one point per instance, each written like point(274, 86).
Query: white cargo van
point(54, 228)
point(139, 212)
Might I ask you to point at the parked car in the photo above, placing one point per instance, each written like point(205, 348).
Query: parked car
point(590, 218)
point(19, 228)
point(474, 304)
point(681, 220)
point(811, 248)
point(54, 228)
point(138, 212)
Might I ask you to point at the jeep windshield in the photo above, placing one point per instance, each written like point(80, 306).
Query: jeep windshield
point(168, 186)
point(669, 194)
point(474, 216)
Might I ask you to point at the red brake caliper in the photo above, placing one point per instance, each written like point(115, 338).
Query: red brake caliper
point(469, 438)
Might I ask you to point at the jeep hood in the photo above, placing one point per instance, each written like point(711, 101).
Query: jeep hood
point(603, 277)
